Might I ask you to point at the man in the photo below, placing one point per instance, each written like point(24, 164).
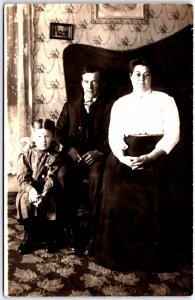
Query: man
point(83, 130)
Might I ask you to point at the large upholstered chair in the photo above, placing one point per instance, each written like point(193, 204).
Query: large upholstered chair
point(173, 61)
point(173, 73)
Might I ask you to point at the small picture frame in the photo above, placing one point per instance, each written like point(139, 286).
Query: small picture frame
point(61, 31)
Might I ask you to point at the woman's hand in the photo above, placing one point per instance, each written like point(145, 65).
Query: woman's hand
point(141, 161)
point(129, 161)
point(147, 159)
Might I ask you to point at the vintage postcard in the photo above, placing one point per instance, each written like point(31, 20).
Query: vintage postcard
point(98, 134)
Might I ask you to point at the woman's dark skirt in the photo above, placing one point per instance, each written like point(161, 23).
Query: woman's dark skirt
point(128, 229)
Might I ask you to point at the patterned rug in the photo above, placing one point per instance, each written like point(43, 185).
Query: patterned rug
point(63, 274)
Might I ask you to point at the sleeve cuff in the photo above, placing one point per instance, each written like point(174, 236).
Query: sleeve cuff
point(28, 187)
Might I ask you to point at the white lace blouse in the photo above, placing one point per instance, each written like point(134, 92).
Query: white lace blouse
point(150, 113)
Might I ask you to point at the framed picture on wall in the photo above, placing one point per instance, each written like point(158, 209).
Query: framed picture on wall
point(61, 31)
point(119, 13)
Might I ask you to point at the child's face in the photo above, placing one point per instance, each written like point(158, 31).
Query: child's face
point(42, 138)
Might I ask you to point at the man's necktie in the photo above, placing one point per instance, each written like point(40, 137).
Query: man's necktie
point(88, 104)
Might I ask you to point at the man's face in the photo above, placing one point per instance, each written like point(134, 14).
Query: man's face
point(91, 84)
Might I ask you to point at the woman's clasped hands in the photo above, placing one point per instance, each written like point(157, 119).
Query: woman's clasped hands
point(136, 162)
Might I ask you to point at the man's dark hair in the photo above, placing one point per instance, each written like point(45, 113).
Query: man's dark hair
point(92, 69)
point(45, 124)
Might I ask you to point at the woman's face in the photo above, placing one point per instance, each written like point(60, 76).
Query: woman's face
point(141, 78)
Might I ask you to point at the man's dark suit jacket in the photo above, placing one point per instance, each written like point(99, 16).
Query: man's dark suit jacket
point(85, 132)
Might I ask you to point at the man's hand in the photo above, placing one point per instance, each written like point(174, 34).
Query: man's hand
point(73, 153)
point(91, 156)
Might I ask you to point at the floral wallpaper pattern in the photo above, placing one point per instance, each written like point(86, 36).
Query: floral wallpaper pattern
point(49, 87)
point(35, 84)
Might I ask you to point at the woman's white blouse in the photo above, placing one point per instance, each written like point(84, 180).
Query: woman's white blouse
point(150, 113)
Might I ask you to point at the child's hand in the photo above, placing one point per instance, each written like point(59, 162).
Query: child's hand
point(33, 195)
point(38, 201)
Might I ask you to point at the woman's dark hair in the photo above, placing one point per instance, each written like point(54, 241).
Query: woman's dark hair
point(45, 124)
point(139, 61)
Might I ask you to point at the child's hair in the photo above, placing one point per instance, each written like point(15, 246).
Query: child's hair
point(45, 124)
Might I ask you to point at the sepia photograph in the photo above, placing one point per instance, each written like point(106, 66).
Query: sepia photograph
point(98, 150)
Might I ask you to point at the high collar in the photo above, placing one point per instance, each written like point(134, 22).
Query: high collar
point(142, 94)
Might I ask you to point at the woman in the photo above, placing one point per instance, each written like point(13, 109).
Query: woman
point(144, 128)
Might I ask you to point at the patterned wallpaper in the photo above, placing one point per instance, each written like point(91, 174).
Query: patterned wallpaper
point(49, 91)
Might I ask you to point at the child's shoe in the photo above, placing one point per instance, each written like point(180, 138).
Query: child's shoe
point(52, 247)
point(26, 246)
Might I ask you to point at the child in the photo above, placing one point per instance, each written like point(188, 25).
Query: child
point(40, 192)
